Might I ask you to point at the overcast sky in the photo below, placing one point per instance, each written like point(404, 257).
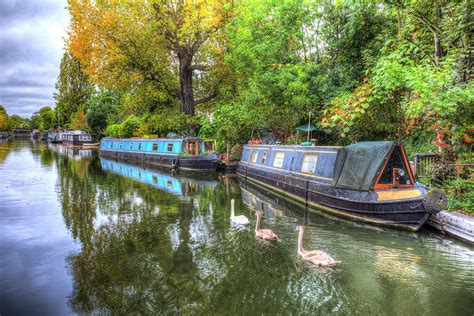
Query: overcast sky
point(32, 36)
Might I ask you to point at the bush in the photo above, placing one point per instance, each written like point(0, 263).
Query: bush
point(130, 127)
point(113, 130)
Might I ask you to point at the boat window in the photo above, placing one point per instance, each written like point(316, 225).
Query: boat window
point(264, 157)
point(121, 145)
point(278, 161)
point(395, 171)
point(192, 148)
point(111, 144)
point(309, 163)
point(209, 146)
point(169, 147)
point(139, 146)
point(131, 146)
point(253, 156)
point(155, 146)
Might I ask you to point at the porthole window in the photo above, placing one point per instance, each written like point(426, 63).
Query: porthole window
point(278, 161)
point(309, 163)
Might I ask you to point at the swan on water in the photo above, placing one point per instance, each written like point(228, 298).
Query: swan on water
point(265, 234)
point(238, 220)
point(317, 257)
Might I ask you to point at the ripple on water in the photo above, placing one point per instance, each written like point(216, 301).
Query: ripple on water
point(131, 247)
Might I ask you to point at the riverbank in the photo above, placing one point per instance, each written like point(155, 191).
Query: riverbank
point(455, 224)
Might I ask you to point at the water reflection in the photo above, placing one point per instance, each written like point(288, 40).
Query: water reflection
point(146, 241)
point(162, 179)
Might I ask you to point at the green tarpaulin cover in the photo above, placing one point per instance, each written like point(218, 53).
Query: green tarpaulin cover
point(357, 164)
point(304, 128)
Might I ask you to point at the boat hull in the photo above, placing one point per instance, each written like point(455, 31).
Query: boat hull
point(407, 214)
point(195, 163)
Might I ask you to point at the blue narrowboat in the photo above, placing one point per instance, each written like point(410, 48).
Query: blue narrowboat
point(370, 182)
point(179, 186)
point(177, 153)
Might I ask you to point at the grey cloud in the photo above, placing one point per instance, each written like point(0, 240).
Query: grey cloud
point(13, 10)
point(31, 47)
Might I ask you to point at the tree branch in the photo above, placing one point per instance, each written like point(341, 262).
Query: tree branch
point(199, 67)
point(206, 98)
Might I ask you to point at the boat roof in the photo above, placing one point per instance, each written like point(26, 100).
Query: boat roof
point(289, 147)
point(358, 165)
point(151, 139)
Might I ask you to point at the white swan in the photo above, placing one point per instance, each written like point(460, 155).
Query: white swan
point(237, 220)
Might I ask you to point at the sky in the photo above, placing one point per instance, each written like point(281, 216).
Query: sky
point(32, 36)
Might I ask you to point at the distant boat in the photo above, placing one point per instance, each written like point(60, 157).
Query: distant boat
point(188, 153)
point(77, 138)
point(36, 134)
point(56, 136)
point(368, 181)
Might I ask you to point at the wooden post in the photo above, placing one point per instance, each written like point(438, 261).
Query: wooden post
point(309, 123)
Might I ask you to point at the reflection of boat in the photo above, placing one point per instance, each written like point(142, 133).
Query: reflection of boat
point(91, 145)
point(183, 153)
point(72, 152)
point(368, 181)
point(161, 179)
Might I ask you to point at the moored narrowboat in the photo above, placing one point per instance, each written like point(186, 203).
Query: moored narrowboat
point(368, 181)
point(178, 153)
point(77, 138)
point(36, 134)
point(55, 136)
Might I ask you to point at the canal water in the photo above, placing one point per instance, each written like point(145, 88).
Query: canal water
point(80, 235)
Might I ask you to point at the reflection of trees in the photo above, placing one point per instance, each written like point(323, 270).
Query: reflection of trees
point(8, 146)
point(124, 270)
point(160, 253)
point(77, 197)
point(46, 156)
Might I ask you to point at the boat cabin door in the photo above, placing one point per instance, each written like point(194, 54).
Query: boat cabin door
point(192, 147)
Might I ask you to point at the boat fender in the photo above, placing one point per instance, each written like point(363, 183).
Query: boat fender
point(435, 201)
point(174, 162)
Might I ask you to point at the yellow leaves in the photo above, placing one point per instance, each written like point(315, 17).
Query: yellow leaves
point(121, 43)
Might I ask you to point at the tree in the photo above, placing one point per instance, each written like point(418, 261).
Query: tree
point(173, 44)
point(101, 110)
point(47, 118)
point(35, 121)
point(79, 121)
point(19, 122)
point(73, 88)
point(4, 119)
point(270, 54)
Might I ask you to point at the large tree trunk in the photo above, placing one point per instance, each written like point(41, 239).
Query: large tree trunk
point(186, 84)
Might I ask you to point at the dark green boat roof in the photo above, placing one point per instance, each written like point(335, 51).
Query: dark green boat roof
point(358, 165)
